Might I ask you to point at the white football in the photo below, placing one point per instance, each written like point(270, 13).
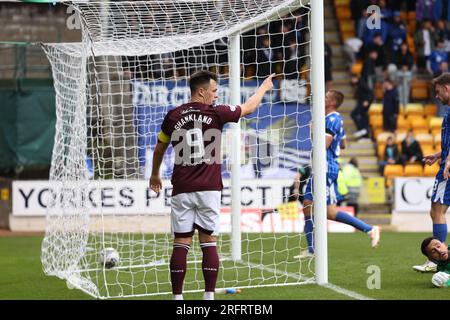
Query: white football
point(109, 257)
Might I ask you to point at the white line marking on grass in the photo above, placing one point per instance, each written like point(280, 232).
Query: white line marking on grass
point(297, 277)
point(346, 292)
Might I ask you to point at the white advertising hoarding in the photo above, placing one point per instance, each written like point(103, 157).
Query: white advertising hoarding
point(413, 194)
point(31, 198)
point(128, 198)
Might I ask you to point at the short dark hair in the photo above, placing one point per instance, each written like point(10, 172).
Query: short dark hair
point(425, 243)
point(442, 80)
point(201, 78)
point(338, 97)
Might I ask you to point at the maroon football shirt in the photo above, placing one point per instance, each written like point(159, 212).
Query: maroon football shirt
point(195, 131)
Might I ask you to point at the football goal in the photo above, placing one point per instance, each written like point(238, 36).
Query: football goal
point(113, 90)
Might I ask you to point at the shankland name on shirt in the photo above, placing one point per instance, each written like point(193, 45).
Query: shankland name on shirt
point(192, 117)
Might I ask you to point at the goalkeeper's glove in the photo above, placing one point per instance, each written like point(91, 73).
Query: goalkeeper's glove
point(441, 279)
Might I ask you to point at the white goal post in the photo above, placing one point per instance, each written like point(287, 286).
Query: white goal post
point(112, 92)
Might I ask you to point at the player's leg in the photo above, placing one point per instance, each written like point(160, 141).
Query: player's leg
point(437, 214)
point(207, 222)
point(309, 223)
point(344, 217)
point(182, 223)
point(210, 262)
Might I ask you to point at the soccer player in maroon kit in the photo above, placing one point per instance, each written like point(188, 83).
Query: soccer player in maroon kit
point(194, 129)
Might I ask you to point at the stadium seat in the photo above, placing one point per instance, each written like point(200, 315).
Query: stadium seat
point(404, 15)
point(436, 123)
point(412, 16)
point(419, 89)
point(437, 140)
point(419, 125)
point(375, 108)
point(383, 136)
point(377, 131)
point(425, 139)
point(427, 149)
point(343, 12)
point(347, 26)
point(376, 121)
point(357, 68)
point(380, 151)
point(393, 170)
point(402, 123)
point(431, 171)
point(342, 2)
point(418, 131)
point(413, 170)
point(414, 109)
point(430, 109)
point(378, 91)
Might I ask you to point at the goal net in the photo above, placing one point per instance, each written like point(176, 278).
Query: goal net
point(112, 92)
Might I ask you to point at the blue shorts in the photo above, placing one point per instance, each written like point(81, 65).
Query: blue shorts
point(441, 189)
point(331, 190)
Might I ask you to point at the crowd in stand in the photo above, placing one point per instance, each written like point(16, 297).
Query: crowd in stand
point(394, 51)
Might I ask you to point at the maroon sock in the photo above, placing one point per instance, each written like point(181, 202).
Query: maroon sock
point(178, 266)
point(210, 265)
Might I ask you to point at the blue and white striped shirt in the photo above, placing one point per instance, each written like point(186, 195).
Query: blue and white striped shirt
point(445, 137)
point(334, 126)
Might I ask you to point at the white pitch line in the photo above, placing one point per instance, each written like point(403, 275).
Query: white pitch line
point(346, 292)
point(297, 277)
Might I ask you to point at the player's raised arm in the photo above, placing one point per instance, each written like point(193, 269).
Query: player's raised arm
point(254, 101)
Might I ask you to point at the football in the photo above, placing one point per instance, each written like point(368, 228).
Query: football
point(109, 257)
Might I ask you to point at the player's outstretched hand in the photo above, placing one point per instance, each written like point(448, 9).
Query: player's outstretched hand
point(430, 159)
point(155, 183)
point(268, 84)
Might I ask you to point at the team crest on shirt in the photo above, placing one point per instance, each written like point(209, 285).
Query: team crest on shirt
point(232, 108)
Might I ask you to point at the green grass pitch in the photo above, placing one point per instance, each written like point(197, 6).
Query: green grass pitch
point(349, 257)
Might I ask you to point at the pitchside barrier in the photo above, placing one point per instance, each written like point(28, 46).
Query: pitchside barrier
point(412, 204)
point(263, 206)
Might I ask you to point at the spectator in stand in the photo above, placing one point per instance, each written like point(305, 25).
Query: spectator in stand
point(385, 11)
point(397, 34)
point(368, 71)
point(411, 150)
point(265, 56)
point(370, 32)
point(438, 56)
point(398, 5)
point(361, 24)
point(328, 67)
point(378, 45)
point(443, 33)
point(352, 48)
point(391, 106)
point(357, 7)
point(353, 181)
point(391, 154)
point(292, 61)
point(403, 58)
point(443, 68)
point(360, 112)
point(425, 42)
point(428, 10)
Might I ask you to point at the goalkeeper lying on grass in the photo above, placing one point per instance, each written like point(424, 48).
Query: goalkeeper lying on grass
point(437, 252)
